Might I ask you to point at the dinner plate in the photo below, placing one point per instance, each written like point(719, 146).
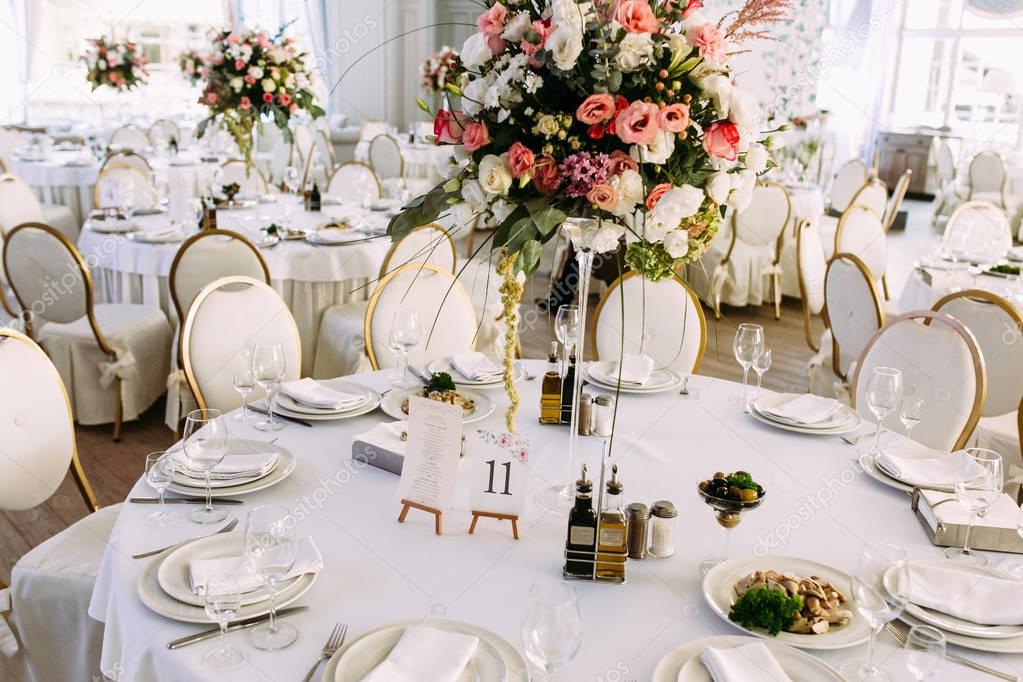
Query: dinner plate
point(839, 418)
point(172, 574)
point(290, 405)
point(949, 623)
point(852, 423)
point(515, 668)
point(682, 664)
point(266, 240)
point(1007, 645)
point(444, 365)
point(111, 227)
point(719, 581)
point(234, 447)
point(285, 465)
point(392, 401)
point(161, 603)
point(603, 372)
point(914, 452)
point(869, 465)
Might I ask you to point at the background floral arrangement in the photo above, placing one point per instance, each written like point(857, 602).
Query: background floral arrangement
point(249, 74)
point(439, 69)
point(191, 63)
point(121, 65)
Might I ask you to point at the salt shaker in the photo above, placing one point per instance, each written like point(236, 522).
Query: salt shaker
point(603, 415)
point(662, 528)
point(585, 414)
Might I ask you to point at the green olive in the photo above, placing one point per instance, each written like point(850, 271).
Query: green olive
point(748, 495)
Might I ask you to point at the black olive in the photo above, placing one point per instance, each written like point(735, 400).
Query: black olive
point(721, 492)
point(760, 491)
point(719, 483)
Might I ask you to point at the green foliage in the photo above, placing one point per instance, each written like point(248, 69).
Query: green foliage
point(762, 607)
point(651, 261)
point(741, 480)
point(440, 381)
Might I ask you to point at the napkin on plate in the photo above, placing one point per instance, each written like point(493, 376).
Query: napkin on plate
point(923, 466)
point(314, 394)
point(425, 653)
point(202, 572)
point(742, 663)
point(805, 408)
point(476, 366)
point(251, 464)
point(634, 369)
point(982, 599)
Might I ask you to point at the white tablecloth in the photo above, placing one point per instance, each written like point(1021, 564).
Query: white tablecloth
point(819, 506)
point(917, 294)
point(807, 204)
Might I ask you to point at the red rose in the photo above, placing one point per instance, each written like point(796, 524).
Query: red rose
point(475, 136)
point(268, 98)
point(596, 131)
point(620, 102)
point(447, 127)
point(546, 178)
point(721, 139)
point(520, 160)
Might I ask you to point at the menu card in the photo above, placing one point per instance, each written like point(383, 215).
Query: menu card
point(431, 457)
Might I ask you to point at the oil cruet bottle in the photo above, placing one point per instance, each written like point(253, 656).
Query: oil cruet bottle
point(550, 391)
point(611, 539)
point(582, 531)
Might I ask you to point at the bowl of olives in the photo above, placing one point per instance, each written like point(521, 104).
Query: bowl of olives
point(730, 495)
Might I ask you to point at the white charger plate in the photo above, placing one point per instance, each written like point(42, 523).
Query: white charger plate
point(235, 446)
point(852, 420)
point(682, 664)
point(391, 404)
point(292, 408)
point(515, 668)
point(603, 372)
point(444, 365)
point(914, 452)
point(1008, 645)
point(285, 465)
point(949, 623)
point(718, 592)
point(870, 467)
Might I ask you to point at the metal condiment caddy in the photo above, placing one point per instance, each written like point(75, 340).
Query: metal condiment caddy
point(590, 558)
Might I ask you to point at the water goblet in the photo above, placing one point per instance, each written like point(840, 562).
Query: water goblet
point(978, 485)
point(884, 393)
point(268, 366)
point(406, 333)
point(159, 475)
point(761, 364)
point(270, 549)
point(926, 647)
point(204, 441)
point(747, 345)
point(223, 600)
point(244, 384)
point(552, 629)
point(910, 414)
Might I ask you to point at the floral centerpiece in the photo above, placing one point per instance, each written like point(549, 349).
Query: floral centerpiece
point(191, 63)
point(120, 65)
point(622, 112)
point(439, 69)
point(249, 74)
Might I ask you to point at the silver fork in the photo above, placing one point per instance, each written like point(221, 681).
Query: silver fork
point(226, 529)
point(900, 637)
point(334, 642)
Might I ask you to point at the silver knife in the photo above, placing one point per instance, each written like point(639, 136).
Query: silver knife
point(239, 625)
point(182, 500)
point(278, 415)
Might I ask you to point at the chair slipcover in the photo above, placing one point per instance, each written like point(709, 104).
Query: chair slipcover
point(385, 157)
point(250, 180)
point(18, 204)
point(861, 233)
point(986, 177)
point(849, 179)
point(354, 181)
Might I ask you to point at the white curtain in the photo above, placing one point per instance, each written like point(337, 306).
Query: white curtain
point(19, 33)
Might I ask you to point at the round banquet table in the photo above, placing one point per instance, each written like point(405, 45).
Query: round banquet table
point(918, 294)
point(807, 204)
point(420, 158)
point(819, 506)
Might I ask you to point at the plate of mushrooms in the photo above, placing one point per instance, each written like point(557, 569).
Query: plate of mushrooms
point(799, 602)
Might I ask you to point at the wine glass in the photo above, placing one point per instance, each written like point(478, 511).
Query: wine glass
point(911, 413)
point(879, 589)
point(406, 332)
point(292, 179)
point(270, 549)
point(566, 328)
point(159, 475)
point(222, 600)
point(978, 484)
point(552, 631)
point(884, 392)
point(268, 365)
point(204, 441)
point(926, 647)
point(244, 384)
point(747, 345)
point(761, 364)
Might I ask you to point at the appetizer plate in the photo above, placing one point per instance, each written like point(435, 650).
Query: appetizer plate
point(948, 623)
point(495, 660)
point(661, 380)
point(719, 581)
point(844, 421)
point(444, 365)
point(291, 408)
point(1007, 645)
point(234, 447)
point(682, 664)
point(285, 465)
point(391, 404)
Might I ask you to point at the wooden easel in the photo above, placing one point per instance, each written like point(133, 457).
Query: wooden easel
point(493, 515)
point(438, 527)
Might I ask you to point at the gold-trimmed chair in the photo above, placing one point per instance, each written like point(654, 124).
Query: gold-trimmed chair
point(873, 195)
point(124, 172)
point(18, 204)
point(861, 233)
point(950, 192)
point(848, 180)
point(810, 270)
point(354, 181)
point(898, 194)
point(978, 228)
point(986, 178)
point(251, 181)
point(129, 136)
point(114, 356)
point(166, 129)
point(385, 157)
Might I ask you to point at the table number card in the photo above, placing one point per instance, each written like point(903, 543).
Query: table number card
point(431, 457)
point(498, 474)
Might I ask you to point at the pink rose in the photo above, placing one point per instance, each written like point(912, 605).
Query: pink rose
point(520, 160)
point(602, 196)
point(674, 117)
point(496, 44)
point(546, 178)
point(239, 65)
point(211, 97)
point(245, 102)
point(721, 139)
point(708, 39)
point(293, 108)
point(284, 99)
point(637, 123)
point(232, 38)
point(621, 162)
point(475, 136)
point(447, 127)
point(542, 29)
point(492, 21)
point(656, 193)
point(250, 80)
point(596, 109)
point(637, 17)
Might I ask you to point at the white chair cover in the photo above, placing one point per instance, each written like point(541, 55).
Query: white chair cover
point(385, 157)
point(130, 136)
point(662, 319)
point(227, 318)
point(987, 178)
point(354, 181)
point(850, 178)
point(980, 227)
point(941, 363)
point(18, 204)
point(853, 310)
point(117, 183)
point(861, 233)
point(250, 180)
point(812, 267)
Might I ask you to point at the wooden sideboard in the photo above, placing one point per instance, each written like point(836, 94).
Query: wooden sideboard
point(897, 151)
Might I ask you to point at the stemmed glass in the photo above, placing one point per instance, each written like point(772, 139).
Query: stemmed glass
point(159, 475)
point(926, 647)
point(911, 413)
point(205, 444)
point(978, 484)
point(406, 332)
point(728, 514)
point(879, 589)
point(223, 600)
point(292, 179)
point(747, 346)
point(761, 364)
point(244, 384)
point(884, 393)
point(270, 549)
point(268, 365)
point(566, 328)
point(552, 631)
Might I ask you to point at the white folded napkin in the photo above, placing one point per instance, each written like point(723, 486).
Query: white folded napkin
point(386, 436)
point(982, 599)
point(424, 653)
point(475, 366)
point(634, 369)
point(1002, 513)
point(921, 466)
point(333, 235)
point(233, 466)
point(202, 572)
point(314, 394)
point(806, 408)
point(742, 664)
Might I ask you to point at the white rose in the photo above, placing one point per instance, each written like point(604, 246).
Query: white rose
point(572, 13)
point(757, 158)
point(452, 162)
point(635, 51)
point(475, 51)
point(679, 46)
point(472, 193)
point(743, 184)
point(237, 83)
point(628, 187)
point(607, 237)
point(601, 238)
point(517, 27)
point(744, 110)
point(680, 202)
point(565, 44)
point(720, 89)
point(268, 85)
point(102, 64)
point(495, 177)
point(718, 187)
point(657, 225)
point(472, 97)
point(676, 243)
point(657, 152)
point(500, 210)
point(256, 72)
